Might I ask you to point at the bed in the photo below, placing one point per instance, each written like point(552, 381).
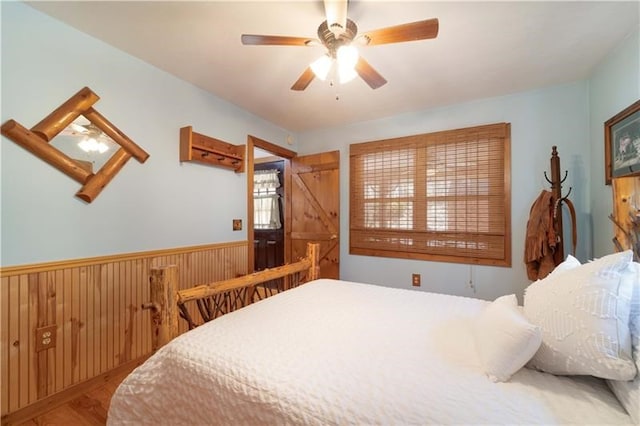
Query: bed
point(339, 352)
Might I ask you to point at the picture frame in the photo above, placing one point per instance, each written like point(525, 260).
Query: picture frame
point(622, 143)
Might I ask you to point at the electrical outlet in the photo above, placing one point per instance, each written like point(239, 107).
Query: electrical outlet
point(415, 280)
point(46, 337)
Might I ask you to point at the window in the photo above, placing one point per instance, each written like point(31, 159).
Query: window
point(266, 200)
point(442, 196)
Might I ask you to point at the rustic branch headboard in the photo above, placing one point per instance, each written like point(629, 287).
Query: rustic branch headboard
point(169, 304)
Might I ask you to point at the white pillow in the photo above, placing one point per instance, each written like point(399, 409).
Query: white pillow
point(505, 340)
point(569, 263)
point(628, 392)
point(584, 317)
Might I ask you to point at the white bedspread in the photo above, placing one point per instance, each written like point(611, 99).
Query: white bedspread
point(336, 352)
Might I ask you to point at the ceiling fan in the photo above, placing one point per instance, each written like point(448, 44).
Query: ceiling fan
point(340, 37)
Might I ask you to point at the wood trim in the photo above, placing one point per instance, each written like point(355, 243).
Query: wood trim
point(288, 211)
point(96, 311)
point(272, 148)
point(90, 261)
point(430, 257)
point(507, 195)
point(251, 257)
point(53, 401)
point(270, 159)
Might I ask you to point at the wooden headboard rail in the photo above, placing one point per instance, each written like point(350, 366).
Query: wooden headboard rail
point(166, 300)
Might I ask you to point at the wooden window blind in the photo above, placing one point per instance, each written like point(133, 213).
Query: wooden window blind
point(442, 196)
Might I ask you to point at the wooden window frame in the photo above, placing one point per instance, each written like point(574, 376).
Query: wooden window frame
point(488, 244)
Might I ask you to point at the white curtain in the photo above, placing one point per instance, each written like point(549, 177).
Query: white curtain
point(266, 201)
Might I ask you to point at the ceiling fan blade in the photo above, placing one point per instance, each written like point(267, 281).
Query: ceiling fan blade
point(369, 74)
point(406, 32)
point(336, 11)
point(78, 128)
point(304, 80)
point(268, 40)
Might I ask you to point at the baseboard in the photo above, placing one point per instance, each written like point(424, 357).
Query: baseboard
point(60, 398)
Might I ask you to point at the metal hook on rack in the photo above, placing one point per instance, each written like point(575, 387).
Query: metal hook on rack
point(566, 173)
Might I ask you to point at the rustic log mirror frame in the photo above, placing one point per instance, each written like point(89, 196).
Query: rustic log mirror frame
point(37, 141)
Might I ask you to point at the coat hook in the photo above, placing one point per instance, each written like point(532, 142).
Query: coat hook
point(566, 172)
point(567, 196)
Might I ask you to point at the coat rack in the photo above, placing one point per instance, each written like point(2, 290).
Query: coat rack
point(558, 200)
point(207, 150)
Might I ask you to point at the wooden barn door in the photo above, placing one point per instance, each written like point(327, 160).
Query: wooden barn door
point(315, 209)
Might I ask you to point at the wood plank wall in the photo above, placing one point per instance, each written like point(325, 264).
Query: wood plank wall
point(95, 305)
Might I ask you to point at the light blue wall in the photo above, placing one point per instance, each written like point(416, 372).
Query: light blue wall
point(613, 86)
point(539, 119)
point(163, 204)
point(156, 205)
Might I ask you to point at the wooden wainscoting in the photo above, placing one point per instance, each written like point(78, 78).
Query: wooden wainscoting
point(95, 307)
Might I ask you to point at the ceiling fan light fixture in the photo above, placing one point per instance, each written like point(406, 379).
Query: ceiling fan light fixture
point(339, 33)
point(347, 56)
point(346, 74)
point(102, 147)
point(92, 145)
point(322, 66)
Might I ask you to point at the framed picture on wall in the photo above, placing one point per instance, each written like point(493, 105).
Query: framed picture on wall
point(622, 143)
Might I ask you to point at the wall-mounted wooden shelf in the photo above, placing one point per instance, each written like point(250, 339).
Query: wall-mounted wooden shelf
point(207, 150)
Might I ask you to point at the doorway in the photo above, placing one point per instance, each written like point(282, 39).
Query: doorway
point(259, 152)
point(268, 218)
point(310, 205)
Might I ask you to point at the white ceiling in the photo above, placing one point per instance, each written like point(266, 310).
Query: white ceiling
point(483, 49)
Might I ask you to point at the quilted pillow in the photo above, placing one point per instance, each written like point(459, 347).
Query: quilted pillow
point(569, 263)
point(628, 392)
point(505, 340)
point(584, 317)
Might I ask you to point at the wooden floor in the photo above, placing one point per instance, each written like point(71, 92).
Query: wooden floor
point(86, 410)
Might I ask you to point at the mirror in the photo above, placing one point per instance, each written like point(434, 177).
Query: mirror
point(84, 142)
point(87, 147)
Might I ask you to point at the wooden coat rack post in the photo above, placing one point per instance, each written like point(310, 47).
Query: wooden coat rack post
point(556, 189)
